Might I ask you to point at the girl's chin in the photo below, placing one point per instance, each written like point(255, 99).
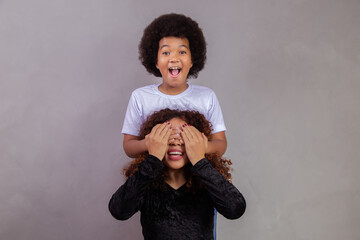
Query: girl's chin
point(175, 164)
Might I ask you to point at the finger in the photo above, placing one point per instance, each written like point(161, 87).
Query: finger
point(203, 135)
point(161, 128)
point(189, 132)
point(205, 139)
point(154, 129)
point(168, 133)
point(165, 134)
point(196, 133)
point(185, 135)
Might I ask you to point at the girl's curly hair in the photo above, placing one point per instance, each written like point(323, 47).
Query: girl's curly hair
point(195, 119)
point(172, 25)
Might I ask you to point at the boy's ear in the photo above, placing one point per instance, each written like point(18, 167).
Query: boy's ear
point(157, 63)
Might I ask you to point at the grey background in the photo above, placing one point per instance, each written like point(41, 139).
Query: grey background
point(287, 74)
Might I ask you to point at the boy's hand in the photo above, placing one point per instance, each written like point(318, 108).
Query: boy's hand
point(157, 140)
point(195, 143)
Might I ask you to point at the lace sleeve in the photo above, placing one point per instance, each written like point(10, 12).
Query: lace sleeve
point(127, 200)
point(226, 198)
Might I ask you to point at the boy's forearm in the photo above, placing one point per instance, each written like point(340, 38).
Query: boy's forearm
point(133, 146)
point(218, 143)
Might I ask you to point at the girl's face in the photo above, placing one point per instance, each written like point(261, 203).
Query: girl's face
point(175, 156)
point(174, 63)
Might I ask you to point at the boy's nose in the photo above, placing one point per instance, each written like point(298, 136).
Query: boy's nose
point(174, 60)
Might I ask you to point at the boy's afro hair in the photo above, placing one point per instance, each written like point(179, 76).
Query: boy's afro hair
point(172, 25)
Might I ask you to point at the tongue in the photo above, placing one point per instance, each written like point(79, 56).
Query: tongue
point(174, 71)
point(175, 157)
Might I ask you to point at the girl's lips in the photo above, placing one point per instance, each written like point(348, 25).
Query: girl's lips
point(175, 154)
point(175, 157)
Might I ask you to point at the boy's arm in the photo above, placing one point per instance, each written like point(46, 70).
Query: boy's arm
point(217, 143)
point(133, 146)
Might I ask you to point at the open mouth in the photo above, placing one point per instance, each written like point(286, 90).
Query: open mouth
point(175, 154)
point(174, 71)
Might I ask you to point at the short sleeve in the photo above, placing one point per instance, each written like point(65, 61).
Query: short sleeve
point(215, 114)
point(132, 120)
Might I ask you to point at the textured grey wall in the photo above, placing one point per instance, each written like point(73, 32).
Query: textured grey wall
point(287, 74)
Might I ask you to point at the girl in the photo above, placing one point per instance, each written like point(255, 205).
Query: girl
point(175, 185)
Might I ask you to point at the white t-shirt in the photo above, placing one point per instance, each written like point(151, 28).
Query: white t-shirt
point(146, 100)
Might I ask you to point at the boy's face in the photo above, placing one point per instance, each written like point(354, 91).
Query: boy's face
point(174, 63)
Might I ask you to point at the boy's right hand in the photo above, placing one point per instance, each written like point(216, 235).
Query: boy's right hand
point(157, 140)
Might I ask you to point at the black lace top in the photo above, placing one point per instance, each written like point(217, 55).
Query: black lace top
point(167, 213)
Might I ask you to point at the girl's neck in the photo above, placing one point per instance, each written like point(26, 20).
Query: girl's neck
point(176, 178)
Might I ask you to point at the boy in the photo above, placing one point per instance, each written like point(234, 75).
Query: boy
point(173, 47)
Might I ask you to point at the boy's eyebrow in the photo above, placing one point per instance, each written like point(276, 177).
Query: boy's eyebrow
point(165, 45)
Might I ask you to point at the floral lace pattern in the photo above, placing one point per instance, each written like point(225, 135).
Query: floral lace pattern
point(167, 213)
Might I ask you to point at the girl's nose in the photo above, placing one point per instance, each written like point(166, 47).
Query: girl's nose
point(176, 141)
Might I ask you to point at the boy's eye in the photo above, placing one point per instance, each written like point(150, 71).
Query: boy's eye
point(165, 53)
point(182, 52)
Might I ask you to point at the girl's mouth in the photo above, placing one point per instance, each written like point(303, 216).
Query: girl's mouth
point(175, 154)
